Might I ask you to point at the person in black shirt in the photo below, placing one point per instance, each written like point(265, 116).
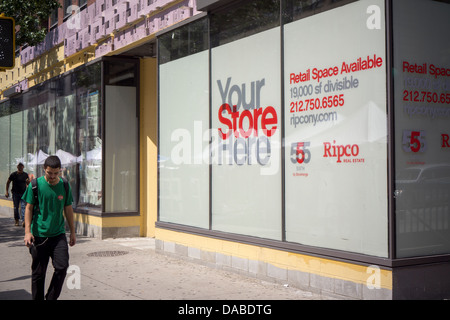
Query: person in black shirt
point(20, 182)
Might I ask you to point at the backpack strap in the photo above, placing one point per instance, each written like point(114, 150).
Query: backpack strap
point(66, 185)
point(34, 187)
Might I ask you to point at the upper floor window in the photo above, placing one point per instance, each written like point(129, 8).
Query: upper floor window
point(67, 4)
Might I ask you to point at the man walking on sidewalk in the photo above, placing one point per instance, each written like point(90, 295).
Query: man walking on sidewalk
point(45, 229)
point(20, 181)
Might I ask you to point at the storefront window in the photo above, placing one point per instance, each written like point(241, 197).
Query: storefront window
point(298, 9)
point(183, 127)
point(32, 155)
point(5, 134)
point(16, 133)
point(121, 128)
point(333, 124)
point(183, 42)
point(89, 156)
point(64, 117)
point(65, 120)
point(29, 135)
point(336, 129)
point(422, 122)
point(246, 120)
point(45, 125)
point(247, 19)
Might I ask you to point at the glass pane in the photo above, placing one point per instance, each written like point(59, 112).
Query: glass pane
point(422, 122)
point(16, 139)
point(89, 137)
point(16, 132)
point(246, 109)
point(66, 146)
point(121, 149)
point(335, 126)
point(183, 41)
point(30, 135)
point(183, 141)
point(46, 126)
point(120, 74)
point(5, 167)
point(249, 18)
point(90, 143)
point(183, 127)
point(299, 9)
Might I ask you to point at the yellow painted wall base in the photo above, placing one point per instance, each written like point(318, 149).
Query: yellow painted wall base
point(107, 227)
point(369, 277)
point(107, 222)
point(6, 203)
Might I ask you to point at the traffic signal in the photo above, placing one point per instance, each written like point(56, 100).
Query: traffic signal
point(7, 42)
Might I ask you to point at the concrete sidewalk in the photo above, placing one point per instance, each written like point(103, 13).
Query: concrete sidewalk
point(130, 269)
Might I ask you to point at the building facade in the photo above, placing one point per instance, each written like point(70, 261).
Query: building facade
point(304, 142)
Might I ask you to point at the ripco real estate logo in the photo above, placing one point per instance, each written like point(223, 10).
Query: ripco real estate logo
point(348, 153)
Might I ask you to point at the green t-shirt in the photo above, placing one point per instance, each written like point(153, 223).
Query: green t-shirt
point(52, 200)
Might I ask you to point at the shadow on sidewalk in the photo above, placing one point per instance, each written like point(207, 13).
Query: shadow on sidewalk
point(15, 295)
point(9, 232)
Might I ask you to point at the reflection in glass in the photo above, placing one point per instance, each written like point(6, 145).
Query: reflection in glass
point(298, 9)
point(16, 139)
point(184, 41)
point(29, 139)
point(422, 122)
point(121, 156)
point(66, 140)
point(87, 82)
point(4, 142)
point(247, 19)
point(90, 144)
point(59, 117)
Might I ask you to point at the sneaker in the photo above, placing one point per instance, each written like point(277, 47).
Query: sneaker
point(17, 222)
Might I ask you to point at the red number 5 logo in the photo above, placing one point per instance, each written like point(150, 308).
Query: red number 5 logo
point(300, 153)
